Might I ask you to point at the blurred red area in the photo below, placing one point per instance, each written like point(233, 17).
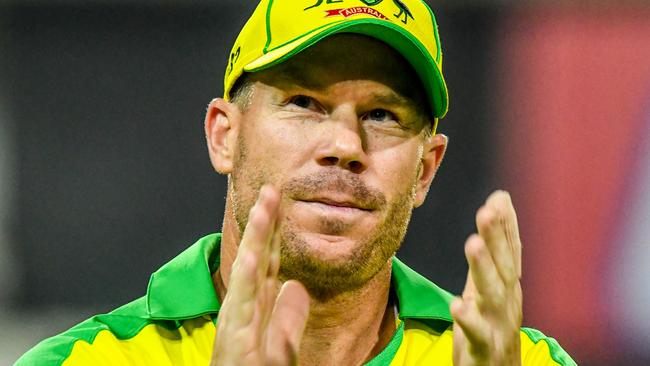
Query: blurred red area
point(572, 102)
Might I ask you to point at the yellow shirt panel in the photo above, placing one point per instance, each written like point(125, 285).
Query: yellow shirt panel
point(537, 354)
point(191, 344)
point(422, 346)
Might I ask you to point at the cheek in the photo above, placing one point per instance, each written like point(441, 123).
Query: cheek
point(267, 152)
point(397, 167)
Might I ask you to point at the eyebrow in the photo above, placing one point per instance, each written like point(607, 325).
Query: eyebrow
point(297, 77)
point(292, 75)
point(391, 98)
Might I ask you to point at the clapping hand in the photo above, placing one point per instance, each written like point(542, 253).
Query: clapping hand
point(261, 320)
point(488, 316)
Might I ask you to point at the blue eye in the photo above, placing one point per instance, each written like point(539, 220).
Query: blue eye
point(381, 115)
point(302, 101)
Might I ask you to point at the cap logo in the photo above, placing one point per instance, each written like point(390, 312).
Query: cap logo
point(367, 2)
point(234, 57)
point(404, 13)
point(356, 10)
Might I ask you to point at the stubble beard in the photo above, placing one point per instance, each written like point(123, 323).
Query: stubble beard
point(325, 279)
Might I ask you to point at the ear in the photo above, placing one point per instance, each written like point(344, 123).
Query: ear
point(434, 151)
point(221, 128)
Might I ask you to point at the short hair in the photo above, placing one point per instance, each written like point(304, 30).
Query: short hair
point(241, 93)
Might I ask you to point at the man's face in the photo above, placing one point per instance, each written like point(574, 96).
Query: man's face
point(340, 129)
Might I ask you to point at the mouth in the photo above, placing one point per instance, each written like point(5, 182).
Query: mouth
point(332, 216)
point(340, 203)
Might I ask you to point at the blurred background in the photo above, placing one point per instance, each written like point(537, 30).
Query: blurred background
point(104, 175)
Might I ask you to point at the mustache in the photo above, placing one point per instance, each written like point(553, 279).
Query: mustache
point(333, 181)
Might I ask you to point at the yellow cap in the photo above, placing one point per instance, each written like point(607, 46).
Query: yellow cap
point(279, 29)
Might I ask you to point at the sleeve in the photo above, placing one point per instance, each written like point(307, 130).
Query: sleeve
point(540, 350)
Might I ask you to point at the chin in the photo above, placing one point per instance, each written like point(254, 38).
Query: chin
point(328, 265)
point(328, 248)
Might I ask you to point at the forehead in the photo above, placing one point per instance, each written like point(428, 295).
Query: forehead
point(345, 57)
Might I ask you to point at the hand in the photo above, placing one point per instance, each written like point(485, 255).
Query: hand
point(488, 316)
point(259, 323)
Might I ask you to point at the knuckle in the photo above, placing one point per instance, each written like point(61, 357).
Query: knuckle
point(475, 247)
point(486, 215)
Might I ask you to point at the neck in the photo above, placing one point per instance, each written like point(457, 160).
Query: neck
point(348, 329)
point(351, 328)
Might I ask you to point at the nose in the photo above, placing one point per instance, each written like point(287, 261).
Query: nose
point(343, 144)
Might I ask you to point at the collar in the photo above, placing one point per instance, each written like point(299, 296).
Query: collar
point(183, 288)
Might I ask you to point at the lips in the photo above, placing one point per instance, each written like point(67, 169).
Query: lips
point(339, 202)
point(334, 190)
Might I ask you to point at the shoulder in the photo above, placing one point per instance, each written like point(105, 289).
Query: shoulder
point(538, 349)
point(428, 330)
point(127, 336)
point(423, 341)
point(165, 327)
point(122, 323)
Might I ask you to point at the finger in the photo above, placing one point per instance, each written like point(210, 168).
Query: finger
point(251, 265)
point(474, 326)
point(483, 272)
point(239, 304)
point(274, 256)
point(288, 321)
point(469, 291)
point(508, 219)
point(266, 303)
point(490, 221)
point(261, 225)
point(273, 198)
point(257, 234)
point(511, 227)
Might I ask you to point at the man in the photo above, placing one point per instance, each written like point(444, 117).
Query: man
point(328, 135)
